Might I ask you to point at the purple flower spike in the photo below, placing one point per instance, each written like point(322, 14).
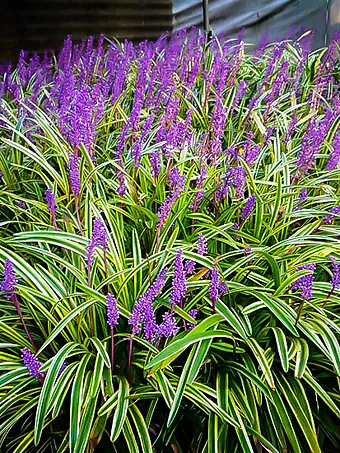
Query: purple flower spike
point(222, 288)
point(112, 311)
point(201, 250)
point(99, 238)
point(303, 195)
point(213, 290)
point(193, 314)
point(329, 218)
point(305, 283)
point(31, 363)
point(202, 245)
point(250, 204)
point(336, 273)
point(10, 281)
point(142, 312)
point(155, 163)
point(50, 200)
point(74, 176)
point(179, 285)
point(169, 326)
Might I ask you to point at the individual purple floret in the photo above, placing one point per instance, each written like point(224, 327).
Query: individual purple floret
point(99, 238)
point(112, 311)
point(305, 283)
point(169, 327)
point(193, 314)
point(31, 363)
point(10, 281)
point(329, 218)
point(250, 204)
point(73, 174)
point(179, 285)
point(213, 289)
point(51, 201)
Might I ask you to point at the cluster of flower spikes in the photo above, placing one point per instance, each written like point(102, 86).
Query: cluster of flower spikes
point(143, 315)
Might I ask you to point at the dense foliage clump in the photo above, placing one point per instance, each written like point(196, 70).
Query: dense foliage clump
point(169, 248)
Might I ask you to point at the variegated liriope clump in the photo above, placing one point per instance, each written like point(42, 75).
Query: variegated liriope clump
point(169, 247)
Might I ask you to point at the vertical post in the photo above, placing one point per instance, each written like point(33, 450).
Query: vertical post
point(205, 7)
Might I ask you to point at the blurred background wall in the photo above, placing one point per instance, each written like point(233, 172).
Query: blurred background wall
point(35, 25)
point(277, 18)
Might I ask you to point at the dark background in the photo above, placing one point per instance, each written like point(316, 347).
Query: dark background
point(36, 25)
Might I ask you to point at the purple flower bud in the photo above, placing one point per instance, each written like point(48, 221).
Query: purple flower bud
point(31, 363)
point(73, 174)
point(305, 283)
point(193, 314)
point(10, 281)
point(112, 311)
point(50, 200)
point(250, 204)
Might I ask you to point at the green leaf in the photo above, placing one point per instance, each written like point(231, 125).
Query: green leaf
point(76, 402)
point(141, 429)
point(48, 386)
point(260, 357)
point(101, 351)
point(122, 408)
point(301, 358)
point(178, 346)
point(281, 347)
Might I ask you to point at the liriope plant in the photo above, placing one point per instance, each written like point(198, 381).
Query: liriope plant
point(169, 240)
